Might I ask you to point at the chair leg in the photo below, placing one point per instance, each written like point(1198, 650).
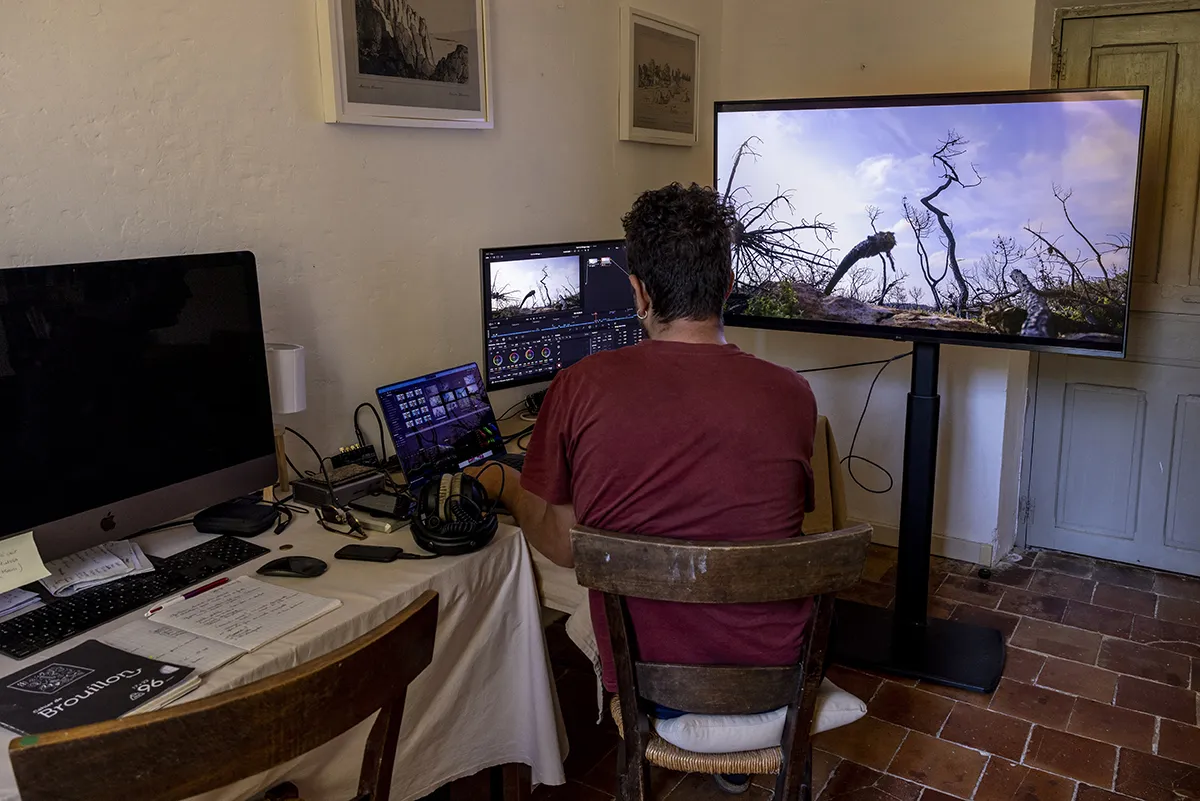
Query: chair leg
point(510, 783)
point(282, 792)
point(794, 783)
point(633, 773)
point(622, 764)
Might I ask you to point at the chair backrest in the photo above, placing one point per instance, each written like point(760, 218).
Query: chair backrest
point(708, 572)
point(186, 750)
point(684, 571)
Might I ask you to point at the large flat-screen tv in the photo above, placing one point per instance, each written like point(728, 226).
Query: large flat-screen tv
point(1002, 218)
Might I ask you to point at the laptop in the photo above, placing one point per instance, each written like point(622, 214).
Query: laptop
point(441, 423)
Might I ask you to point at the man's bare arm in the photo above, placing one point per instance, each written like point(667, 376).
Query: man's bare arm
point(547, 527)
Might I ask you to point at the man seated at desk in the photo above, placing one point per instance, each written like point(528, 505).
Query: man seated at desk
point(682, 435)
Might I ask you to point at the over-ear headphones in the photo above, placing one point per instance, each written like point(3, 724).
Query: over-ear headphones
point(452, 515)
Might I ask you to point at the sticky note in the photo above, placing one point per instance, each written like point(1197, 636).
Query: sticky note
point(20, 562)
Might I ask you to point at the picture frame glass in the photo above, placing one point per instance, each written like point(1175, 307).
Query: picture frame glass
point(664, 78)
point(410, 55)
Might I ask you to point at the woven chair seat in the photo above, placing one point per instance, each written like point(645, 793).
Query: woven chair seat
point(661, 753)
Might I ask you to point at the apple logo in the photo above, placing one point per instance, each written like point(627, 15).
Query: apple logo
point(108, 523)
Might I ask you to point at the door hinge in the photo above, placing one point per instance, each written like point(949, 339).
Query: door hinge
point(1058, 69)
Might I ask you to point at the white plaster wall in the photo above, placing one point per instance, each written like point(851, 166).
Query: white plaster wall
point(135, 128)
point(806, 48)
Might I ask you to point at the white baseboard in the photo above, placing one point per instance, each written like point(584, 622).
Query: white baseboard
point(979, 553)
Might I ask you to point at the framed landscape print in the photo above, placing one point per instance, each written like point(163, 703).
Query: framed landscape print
point(405, 62)
point(659, 62)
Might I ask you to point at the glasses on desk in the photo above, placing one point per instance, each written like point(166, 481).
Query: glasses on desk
point(340, 522)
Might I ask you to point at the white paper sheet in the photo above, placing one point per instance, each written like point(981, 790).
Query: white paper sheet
point(20, 562)
point(154, 640)
point(18, 600)
point(246, 613)
point(131, 554)
point(94, 566)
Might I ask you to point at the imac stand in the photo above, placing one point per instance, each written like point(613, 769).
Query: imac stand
point(904, 640)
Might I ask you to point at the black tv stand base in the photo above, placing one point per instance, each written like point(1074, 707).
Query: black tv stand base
point(904, 640)
point(941, 651)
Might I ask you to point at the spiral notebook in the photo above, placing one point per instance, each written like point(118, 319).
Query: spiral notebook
point(216, 627)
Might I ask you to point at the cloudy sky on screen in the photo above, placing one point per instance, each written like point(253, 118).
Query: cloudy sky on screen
point(836, 162)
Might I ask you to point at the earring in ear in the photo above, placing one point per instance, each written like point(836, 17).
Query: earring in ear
point(642, 315)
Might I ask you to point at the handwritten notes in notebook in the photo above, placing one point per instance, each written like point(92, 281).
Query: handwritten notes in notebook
point(245, 613)
point(154, 640)
point(20, 562)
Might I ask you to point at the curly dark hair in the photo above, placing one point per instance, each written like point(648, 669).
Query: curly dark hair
point(679, 241)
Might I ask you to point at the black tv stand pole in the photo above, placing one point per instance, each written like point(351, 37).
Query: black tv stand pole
point(904, 640)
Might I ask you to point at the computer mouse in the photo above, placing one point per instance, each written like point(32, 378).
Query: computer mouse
point(294, 567)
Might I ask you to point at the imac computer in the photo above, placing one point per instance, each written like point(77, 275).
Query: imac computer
point(131, 393)
point(545, 307)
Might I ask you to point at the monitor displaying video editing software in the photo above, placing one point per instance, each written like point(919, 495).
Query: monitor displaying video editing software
point(545, 307)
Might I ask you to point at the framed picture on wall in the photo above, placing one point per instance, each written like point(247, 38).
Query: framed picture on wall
point(659, 64)
point(420, 63)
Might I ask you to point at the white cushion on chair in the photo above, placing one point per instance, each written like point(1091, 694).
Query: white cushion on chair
point(722, 734)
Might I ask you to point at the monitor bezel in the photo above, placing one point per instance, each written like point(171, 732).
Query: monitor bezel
point(485, 301)
point(128, 516)
point(1002, 341)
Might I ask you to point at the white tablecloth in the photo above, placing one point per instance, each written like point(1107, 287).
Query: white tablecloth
point(487, 699)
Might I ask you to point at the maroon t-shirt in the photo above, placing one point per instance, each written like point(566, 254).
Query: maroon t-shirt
point(701, 442)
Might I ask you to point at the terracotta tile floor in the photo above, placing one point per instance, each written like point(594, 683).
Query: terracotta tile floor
point(1099, 699)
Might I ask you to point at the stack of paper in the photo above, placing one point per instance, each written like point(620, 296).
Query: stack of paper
point(95, 566)
point(16, 601)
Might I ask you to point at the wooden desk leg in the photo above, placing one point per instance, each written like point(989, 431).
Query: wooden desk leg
point(511, 783)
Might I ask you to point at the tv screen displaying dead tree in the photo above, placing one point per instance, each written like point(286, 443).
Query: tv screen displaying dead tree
point(984, 219)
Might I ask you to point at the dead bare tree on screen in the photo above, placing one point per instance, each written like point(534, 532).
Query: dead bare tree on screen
point(921, 223)
point(768, 245)
point(951, 148)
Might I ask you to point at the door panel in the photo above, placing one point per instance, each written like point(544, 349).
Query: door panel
point(1161, 51)
point(1116, 461)
point(1098, 461)
point(1183, 504)
point(1152, 66)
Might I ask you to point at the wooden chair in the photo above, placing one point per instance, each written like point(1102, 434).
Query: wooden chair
point(683, 571)
point(186, 750)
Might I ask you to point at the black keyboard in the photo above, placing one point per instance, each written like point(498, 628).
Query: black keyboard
point(63, 618)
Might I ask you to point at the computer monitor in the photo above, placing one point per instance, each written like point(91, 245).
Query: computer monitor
point(131, 393)
point(440, 423)
point(545, 307)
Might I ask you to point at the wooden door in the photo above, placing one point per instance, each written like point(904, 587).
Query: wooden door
point(1115, 468)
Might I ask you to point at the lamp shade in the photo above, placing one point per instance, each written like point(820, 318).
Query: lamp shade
point(285, 371)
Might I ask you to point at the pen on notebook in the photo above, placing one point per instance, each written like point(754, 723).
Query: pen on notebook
point(189, 594)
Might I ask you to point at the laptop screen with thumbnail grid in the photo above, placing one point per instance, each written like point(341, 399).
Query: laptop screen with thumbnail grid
point(440, 423)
